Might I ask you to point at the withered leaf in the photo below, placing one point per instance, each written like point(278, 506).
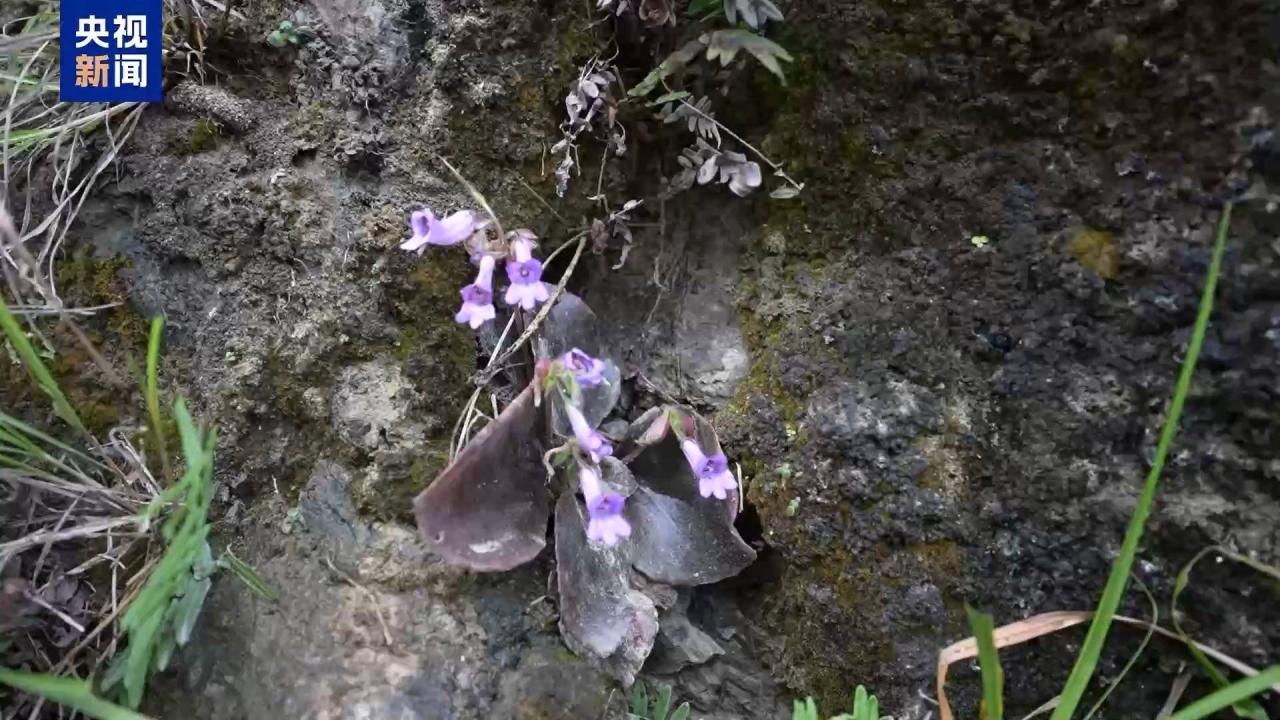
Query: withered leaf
point(488, 510)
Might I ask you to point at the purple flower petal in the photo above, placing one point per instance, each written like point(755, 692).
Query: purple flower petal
point(452, 229)
point(420, 225)
point(525, 272)
point(606, 523)
point(527, 296)
point(591, 442)
point(587, 370)
point(477, 298)
point(604, 509)
point(712, 472)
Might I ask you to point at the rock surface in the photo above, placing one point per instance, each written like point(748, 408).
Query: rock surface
point(923, 418)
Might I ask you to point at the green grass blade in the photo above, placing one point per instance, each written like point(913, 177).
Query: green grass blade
point(254, 581)
point(152, 392)
point(1133, 659)
point(1229, 695)
point(1246, 708)
point(984, 628)
point(31, 434)
point(44, 379)
point(75, 694)
point(1087, 660)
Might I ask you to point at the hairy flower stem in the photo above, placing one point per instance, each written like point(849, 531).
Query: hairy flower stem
point(476, 194)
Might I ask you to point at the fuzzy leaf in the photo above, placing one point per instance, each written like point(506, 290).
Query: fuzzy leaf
point(187, 608)
point(674, 62)
point(488, 510)
point(723, 45)
point(669, 97)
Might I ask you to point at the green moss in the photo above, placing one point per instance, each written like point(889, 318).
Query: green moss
point(1096, 250)
point(118, 335)
point(313, 123)
point(204, 136)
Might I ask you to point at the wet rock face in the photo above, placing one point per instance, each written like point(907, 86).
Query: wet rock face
point(937, 419)
point(370, 626)
point(920, 421)
point(372, 405)
point(670, 312)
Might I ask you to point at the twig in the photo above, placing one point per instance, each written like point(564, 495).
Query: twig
point(86, 530)
point(568, 243)
point(542, 200)
point(61, 615)
point(373, 599)
point(1180, 684)
point(112, 376)
point(476, 194)
point(107, 621)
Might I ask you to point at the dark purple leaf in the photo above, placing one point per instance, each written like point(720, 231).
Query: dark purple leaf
point(488, 510)
point(602, 617)
point(570, 324)
point(680, 537)
point(684, 542)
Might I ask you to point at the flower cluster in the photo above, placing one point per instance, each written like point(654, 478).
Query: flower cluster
point(523, 270)
point(605, 522)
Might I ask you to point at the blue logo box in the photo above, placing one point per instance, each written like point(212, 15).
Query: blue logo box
point(110, 51)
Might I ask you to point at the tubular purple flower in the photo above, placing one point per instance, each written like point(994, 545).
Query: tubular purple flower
point(587, 370)
point(591, 442)
point(605, 522)
point(713, 473)
point(525, 274)
point(428, 230)
point(477, 298)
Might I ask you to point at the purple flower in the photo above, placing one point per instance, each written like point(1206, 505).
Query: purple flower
point(604, 509)
point(477, 298)
point(713, 473)
point(591, 442)
point(525, 274)
point(587, 370)
point(427, 230)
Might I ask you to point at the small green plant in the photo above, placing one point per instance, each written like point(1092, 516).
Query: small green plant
point(161, 619)
point(658, 708)
point(162, 616)
point(865, 707)
point(287, 33)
